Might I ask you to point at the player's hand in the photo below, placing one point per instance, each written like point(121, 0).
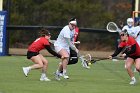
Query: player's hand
point(77, 51)
point(109, 57)
point(123, 55)
point(78, 42)
point(62, 57)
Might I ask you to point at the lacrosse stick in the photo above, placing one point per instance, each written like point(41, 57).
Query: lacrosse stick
point(123, 50)
point(112, 27)
point(95, 60)
point(85, 59)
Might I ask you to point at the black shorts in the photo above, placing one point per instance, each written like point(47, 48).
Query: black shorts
point(73, 57)
point(134, 57)
point(31, 54)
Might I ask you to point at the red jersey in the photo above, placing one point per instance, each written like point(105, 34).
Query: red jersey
point(38, 44)
point(76, 33)
point(131, 41)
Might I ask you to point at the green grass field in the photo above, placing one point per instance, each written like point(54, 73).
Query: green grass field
point(103, 77)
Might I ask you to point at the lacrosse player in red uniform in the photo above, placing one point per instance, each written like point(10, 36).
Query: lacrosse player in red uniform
point(132, 51)
point(33, 54)
point(73, 55)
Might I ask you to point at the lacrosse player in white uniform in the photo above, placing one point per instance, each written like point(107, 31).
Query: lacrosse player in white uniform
point(136, 33)
point(62, 46)
point(129, 27)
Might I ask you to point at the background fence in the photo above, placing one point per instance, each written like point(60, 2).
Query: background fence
point(19, 37)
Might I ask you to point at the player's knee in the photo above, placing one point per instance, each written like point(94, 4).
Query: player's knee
point(40, 65)
point(138, 68)
point(60, 63)
point(46, 62)
point(66, 58)
point(127, 67)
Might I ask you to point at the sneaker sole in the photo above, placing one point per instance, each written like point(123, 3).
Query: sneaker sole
point(44, 80)
point(24, 71)
point(66, 78)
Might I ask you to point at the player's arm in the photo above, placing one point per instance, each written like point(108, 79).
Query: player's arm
point(52, 51)
point(72, 46)
point(117, 51)
point(52, 41)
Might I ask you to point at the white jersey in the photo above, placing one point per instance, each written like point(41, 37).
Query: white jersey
point(64, 33)
point(136, 34)
point(129, 29)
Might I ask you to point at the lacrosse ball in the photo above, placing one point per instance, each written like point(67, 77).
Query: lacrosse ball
point(89, 63)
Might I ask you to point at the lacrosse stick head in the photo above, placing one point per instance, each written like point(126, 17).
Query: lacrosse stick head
point(112, 27)
point(87, 57)
point(84, 60)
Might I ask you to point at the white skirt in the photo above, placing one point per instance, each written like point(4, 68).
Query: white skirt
point(58, 48)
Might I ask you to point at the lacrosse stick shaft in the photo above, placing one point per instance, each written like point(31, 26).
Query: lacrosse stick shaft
point(95, 60)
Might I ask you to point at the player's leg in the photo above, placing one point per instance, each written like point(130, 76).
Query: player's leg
point(63, 64)
point(44, 69)
point(137, 64)
point(128, 65)
point(38, 64)
point(72, 60)
point(65, 60)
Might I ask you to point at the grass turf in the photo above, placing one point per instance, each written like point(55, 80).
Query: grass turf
point(103, 77)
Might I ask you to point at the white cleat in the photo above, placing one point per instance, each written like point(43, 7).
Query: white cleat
point(57, 76)
point(65, 77)
point(133, 82)
point(88, 67)
point(26, 71)
point(60, 74)
point(44, 79)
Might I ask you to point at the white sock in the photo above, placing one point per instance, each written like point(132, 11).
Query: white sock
point(64, 71)
point(133, 78)
point(29, 68)
point(57, 71)
point(43, 75)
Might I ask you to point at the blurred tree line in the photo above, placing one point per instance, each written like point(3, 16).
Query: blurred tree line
point(89, 13)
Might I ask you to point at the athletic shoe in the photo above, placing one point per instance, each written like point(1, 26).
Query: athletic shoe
point(65, 76)
point(44, 79)
point(26, 71)
point(57, 76)
point(132, 82)
point(88, 67)
point(61, 74)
